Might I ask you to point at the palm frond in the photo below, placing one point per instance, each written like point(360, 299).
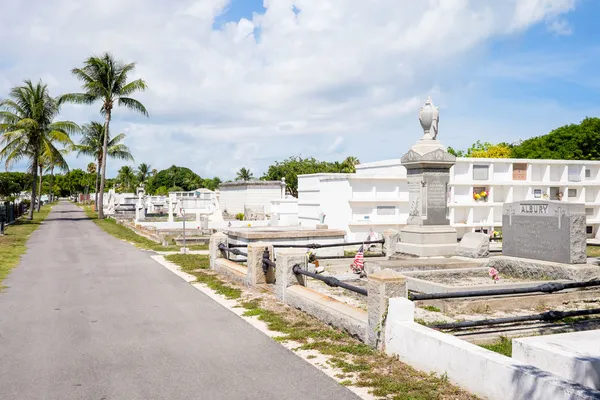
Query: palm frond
point(133, 104)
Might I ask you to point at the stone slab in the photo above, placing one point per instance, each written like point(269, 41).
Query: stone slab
point(545, 230)
point(473, 245)
point(537, 269)
point(422, 264)
point(282, 233)
point(574, 356)
point(426, 250)
point(428, 235)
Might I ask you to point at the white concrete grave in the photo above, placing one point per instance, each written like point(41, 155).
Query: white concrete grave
point(574, 355)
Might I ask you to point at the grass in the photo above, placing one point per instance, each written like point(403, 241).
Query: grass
point(197, 265)
point(593, 251)
point(431, 308)
point(111, 227)
point(503, 346)
point(13, 243)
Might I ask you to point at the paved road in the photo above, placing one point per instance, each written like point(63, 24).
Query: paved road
point(89, 317)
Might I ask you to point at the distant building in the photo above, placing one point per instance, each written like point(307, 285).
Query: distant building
point(376, 196)
point(250, 196)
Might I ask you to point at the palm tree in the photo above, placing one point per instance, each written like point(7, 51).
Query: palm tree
point(143, 172)
point(105, 79)
point(26, 124)
point(92, 143)
point(349, 164)
point(126, 177)
point(244, 174)
point(52, 157)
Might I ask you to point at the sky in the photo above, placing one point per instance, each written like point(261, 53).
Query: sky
point(244, 83)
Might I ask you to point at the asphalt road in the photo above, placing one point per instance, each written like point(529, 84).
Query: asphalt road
point(86, 316)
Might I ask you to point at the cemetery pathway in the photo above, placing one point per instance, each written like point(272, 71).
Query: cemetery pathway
point(86, 316)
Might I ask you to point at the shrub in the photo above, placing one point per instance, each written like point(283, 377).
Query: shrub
point(239, 216)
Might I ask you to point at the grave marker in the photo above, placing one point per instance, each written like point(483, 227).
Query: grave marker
point(544, 230)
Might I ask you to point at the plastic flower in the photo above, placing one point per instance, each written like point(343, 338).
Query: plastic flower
point(483, 193)
point(477, 196)
point(494, 274)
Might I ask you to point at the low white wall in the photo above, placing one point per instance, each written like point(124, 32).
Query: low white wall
point(573, 355)
point(480, 371)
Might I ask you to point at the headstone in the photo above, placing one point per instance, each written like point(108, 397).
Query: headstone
point(545, 230)
point(473, 245)
point(428, 231)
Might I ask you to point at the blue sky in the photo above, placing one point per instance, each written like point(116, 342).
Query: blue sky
point(243, 83)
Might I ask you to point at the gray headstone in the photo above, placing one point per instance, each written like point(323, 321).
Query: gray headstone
point(473, 245)
point(428, 195)
point(544, 230)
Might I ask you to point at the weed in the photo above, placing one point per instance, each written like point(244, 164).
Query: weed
point(503, 346)
point(189, 262)
point(431, 308)
point(346, 382)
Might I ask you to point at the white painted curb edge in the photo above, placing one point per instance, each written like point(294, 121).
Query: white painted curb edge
point(316, 359)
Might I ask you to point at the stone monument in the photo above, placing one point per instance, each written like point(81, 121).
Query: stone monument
point(428, 231)
point(545, 230)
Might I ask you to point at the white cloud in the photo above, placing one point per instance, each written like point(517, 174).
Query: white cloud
point(238, 96)
point(560, 27)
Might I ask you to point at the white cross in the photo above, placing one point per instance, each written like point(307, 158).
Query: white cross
point(510, 211)
point(559, 212)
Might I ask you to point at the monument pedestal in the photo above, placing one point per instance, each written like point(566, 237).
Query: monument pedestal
point(428, 232)
point(427, 241)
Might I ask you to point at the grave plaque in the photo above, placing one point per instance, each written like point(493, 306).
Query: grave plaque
point(544, 230)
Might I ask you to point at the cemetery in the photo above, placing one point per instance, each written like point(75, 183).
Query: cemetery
point(431, 298)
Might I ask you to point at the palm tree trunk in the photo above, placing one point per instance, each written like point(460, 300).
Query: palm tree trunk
point(39, 206)
point(35, 160)
point(97, 181)
point(52, 183)
point(103, 177)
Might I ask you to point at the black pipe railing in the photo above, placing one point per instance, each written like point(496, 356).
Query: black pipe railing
point(544, 288)
point(548, 316)
point(266, 261)
point(236, 252)
point(329, 280)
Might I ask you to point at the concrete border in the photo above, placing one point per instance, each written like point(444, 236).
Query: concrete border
point(478, 370)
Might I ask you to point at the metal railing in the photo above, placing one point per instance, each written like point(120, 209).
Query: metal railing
point(544, 288)
point(266, 261)
point(329, 280)
point(548, 316)
point(236, 252)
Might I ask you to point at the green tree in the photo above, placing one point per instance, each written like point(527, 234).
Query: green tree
point(174, 177)
point(52, 157)
point(484, 150)
point(92, 144)
point(26, 124)
point(244, 174)
point(569, 142)
point(13, 183)
point(296, 165)
point(127, 178)
point(104, 78)
point(349, 164)
point(211, 184)
point(456, 153)
point(143, 172)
